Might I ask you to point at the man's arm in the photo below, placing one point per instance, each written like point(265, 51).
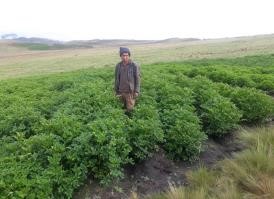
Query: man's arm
point(137, 79)
point(116, 82)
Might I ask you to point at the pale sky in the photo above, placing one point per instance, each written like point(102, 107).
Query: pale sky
point(136, 19)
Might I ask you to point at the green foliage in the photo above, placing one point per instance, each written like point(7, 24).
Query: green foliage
point(184, 137)
point(56, 130)
point(218, 114)
point(256, 77)
point(256, 106)
point(145, 132)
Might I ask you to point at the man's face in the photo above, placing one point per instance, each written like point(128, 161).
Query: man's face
point(125, 57)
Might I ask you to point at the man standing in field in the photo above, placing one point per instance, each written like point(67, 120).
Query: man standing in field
point(127, 80)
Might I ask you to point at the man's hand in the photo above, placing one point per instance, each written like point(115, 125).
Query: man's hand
point(136, 94)
point(118, 94)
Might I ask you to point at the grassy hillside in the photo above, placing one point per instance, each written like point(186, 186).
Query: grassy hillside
point(21, 62)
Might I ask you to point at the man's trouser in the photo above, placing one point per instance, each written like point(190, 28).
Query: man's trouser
point(128, 100)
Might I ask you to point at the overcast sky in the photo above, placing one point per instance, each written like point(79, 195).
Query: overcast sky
point(136, 19)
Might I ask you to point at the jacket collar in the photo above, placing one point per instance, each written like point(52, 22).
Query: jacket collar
point(129, 62)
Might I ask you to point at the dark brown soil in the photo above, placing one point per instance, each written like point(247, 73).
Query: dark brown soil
point(157, 172)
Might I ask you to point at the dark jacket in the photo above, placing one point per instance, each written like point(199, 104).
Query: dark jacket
point(134, 77)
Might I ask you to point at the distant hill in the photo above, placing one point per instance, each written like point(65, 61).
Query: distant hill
point(176, 39)
point(9, 36)
point(37, 40)
point(36, 43)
